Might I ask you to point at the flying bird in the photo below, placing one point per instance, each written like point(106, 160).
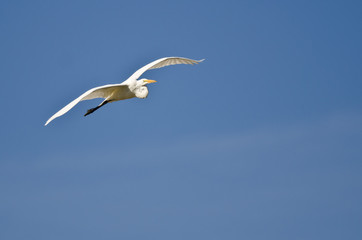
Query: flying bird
point(130, 88)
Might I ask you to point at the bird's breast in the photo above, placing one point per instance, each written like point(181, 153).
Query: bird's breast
point(141, 92)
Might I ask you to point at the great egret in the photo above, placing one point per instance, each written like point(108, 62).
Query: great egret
point(128, 89)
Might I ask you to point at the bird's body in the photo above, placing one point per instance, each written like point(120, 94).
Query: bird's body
point(128, 89)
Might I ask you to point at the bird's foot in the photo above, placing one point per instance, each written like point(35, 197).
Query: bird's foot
point(90, 111)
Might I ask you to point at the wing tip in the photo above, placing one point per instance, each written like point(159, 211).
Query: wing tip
point(49, 120)
point(198, 61)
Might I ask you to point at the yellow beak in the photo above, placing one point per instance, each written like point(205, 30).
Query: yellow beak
point(149, 81)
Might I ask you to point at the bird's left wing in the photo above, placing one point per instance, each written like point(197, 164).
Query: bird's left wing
point(97, 92)
point(162, 62)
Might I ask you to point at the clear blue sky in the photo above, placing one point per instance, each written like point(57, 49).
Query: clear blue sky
point(263, 140)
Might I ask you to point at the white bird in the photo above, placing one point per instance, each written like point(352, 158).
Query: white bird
point(128, 89)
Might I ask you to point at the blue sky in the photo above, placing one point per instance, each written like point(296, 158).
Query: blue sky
point(263, 140)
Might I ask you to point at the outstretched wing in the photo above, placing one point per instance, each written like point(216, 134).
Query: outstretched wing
point(97, 92)
point(162, 62)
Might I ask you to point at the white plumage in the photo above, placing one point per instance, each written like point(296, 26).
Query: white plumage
point(128, 89)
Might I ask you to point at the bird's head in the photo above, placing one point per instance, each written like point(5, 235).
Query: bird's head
point(145, 81)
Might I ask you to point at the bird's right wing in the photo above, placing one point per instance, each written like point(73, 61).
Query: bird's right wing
point(97, 92)
point(162, 62)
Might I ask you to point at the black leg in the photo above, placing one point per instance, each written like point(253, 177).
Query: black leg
point(94, 109)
